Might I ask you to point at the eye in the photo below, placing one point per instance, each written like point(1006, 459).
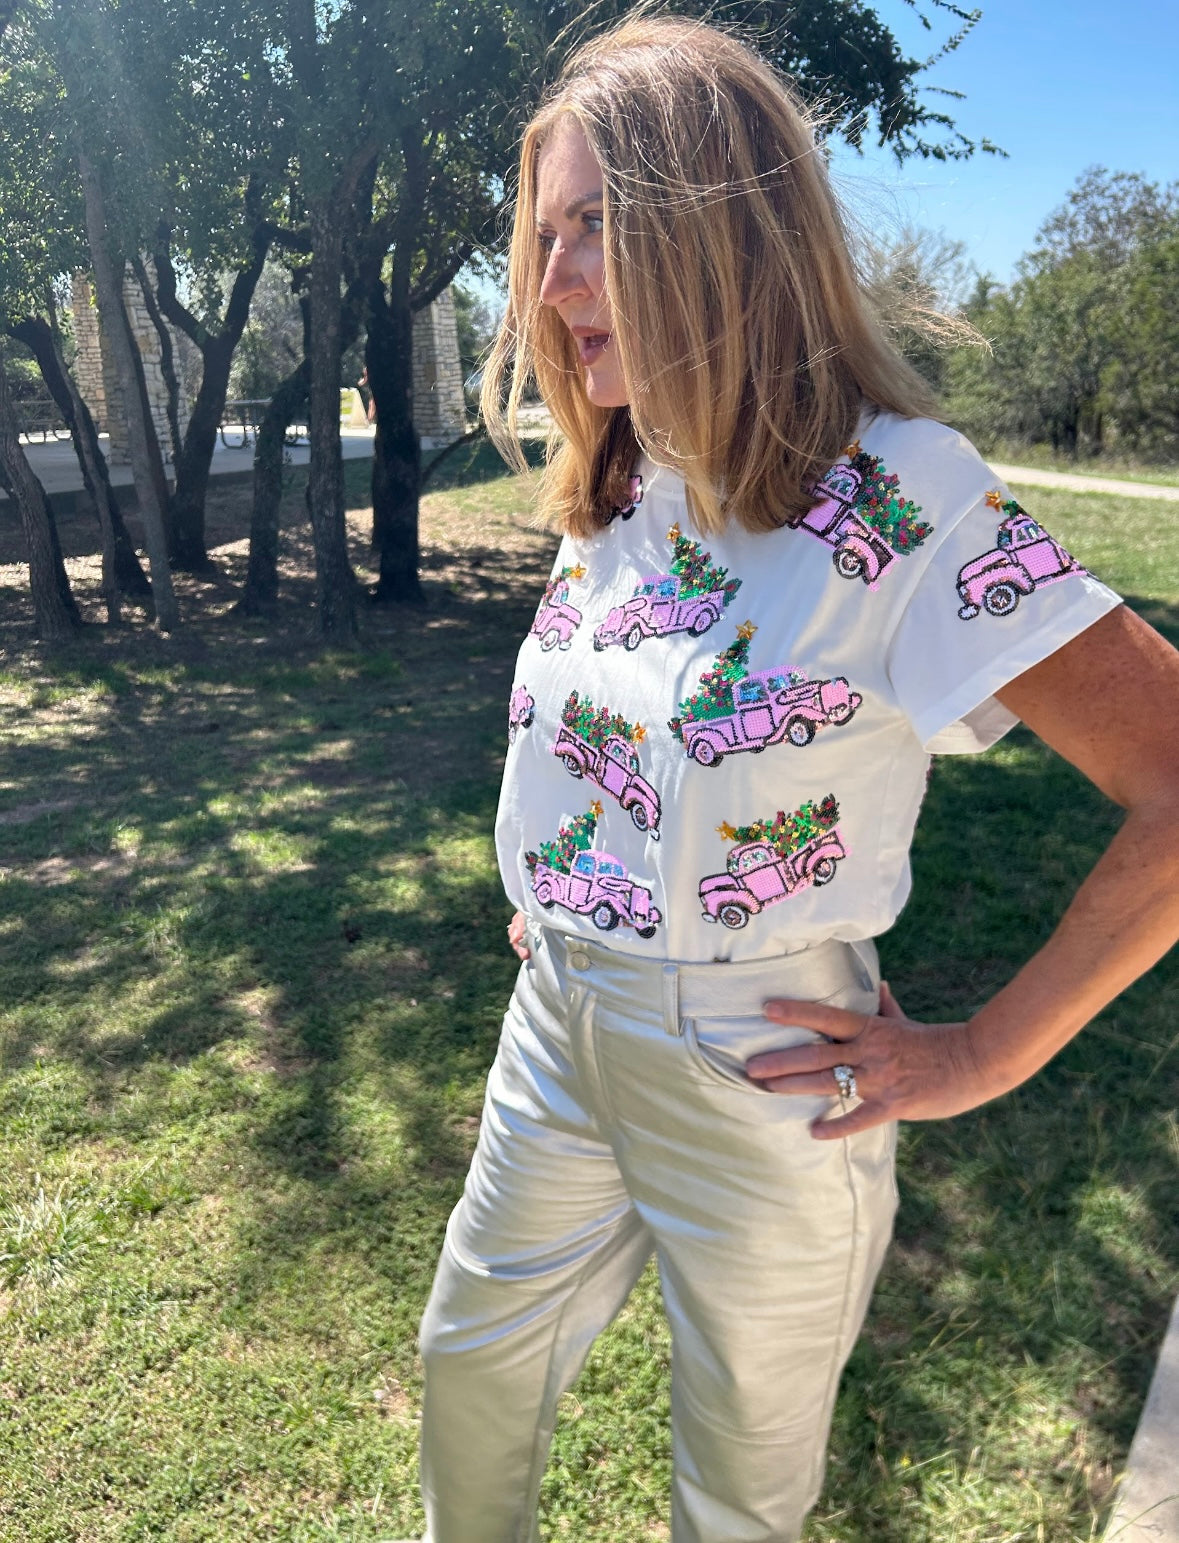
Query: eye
point(594, 224)
point(547, 241)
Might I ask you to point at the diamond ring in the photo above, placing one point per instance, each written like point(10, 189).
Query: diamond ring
point(845, 1077)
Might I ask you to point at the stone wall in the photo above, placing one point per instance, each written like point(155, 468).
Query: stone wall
point(439, 411)
point(96, 375)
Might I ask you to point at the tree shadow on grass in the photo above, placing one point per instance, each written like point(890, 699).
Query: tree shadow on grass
point(269, 914)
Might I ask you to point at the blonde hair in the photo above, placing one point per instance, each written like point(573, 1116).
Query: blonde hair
point(746, 344)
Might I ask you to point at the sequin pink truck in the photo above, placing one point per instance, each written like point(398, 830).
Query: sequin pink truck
point(598, 886)
point(1024, 557)
point(556, 620)
point(859, 551)
point(614, 767)
point(768, 708)
point(521, 712)
point(759, 876)
point(657, 609)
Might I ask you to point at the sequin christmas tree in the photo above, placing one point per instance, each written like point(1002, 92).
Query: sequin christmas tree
point(787, 832)
point(881, 505)
point(715, 697)
point(598, 724)
point(695, 569)
point(557, 588)
point(575, 837)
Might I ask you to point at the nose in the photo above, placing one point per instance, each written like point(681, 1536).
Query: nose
point(563, 279)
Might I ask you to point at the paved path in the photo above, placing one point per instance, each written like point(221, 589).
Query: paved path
point(1075, 483)
point(56, 466)
point(1148, 1507)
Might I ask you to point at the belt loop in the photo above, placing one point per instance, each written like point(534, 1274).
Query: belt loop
point(671, 1000)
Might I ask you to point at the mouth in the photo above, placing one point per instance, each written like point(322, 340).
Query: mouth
point(591, 346)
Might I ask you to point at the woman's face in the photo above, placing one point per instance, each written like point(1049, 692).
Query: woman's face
point(569, 218)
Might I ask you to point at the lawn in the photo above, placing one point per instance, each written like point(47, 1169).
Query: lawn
point(253, 949)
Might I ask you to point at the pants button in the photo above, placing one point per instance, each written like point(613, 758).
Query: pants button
point(579, 960)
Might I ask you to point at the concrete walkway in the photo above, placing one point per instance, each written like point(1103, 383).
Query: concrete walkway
point(1075, 483)
point(1148, 1507)
point(56, 465)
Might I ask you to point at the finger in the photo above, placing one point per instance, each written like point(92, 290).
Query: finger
point(833, 1022)
point(889, 1006)
point(822, 1084)
point(862, 1117)
point(796, 1061)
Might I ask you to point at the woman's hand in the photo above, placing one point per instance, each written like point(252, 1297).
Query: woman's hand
point(903, 1070)
point(516, 936)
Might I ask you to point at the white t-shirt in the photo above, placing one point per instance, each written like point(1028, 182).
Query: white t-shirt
point(719, 746)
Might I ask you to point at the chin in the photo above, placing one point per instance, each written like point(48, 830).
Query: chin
point(606, 393)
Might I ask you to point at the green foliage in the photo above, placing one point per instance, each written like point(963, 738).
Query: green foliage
point(788, 832)
point(1084, 342)
point(598, 724)
point(881, 505)
point(696, 571)
point(715, 696)
point(570, 839)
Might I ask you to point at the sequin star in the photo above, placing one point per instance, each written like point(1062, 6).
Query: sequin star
point(995, 498)
point(596, 809)
point(746, 630)
point(674, 533)
point(726, 831)
point(639, 735)
point(852, 450)
point(577, 573)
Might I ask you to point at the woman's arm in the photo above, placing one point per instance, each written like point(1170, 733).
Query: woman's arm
point(1108, 701)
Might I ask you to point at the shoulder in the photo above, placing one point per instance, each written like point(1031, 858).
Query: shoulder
point(936, 467)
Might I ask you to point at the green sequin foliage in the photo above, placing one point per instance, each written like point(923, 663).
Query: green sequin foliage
point(575, 837)
point(595, 725)
point(788, 832)
point(881, 506)
point(715, 697)
point(695, 570)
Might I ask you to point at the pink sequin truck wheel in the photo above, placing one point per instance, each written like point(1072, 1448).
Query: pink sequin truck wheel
point(658, 608)
point(521, 712)
point(598, 886)
point(859, 551)
point(555, 624)
point(614, 767)
point(1024, 557)
point(770, 708)
point(759, 876)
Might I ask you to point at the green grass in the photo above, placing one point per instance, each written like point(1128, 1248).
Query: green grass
point(252, 942)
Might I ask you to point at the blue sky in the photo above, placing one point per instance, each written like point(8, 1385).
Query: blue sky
point(1061, 85)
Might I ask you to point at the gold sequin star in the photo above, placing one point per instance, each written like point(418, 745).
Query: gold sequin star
point(639, 735)
point(577, 573)
point(726, 831)
point(852, 450)
point(596, 809)
point(746, 630)
point(674, 533)
point(995, 498)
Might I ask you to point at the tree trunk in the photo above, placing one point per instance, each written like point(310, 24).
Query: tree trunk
point(397, 456)
point(53, 602)
point(196, 458)
point(141, 437)
point(261, 589)
point(121, 570)
point(335, 580)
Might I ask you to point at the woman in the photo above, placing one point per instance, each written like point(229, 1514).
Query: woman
point(770, 546)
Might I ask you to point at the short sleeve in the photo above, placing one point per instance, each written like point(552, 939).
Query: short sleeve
point(996, 596)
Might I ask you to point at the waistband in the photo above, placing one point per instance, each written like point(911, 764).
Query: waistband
point(718, 990)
